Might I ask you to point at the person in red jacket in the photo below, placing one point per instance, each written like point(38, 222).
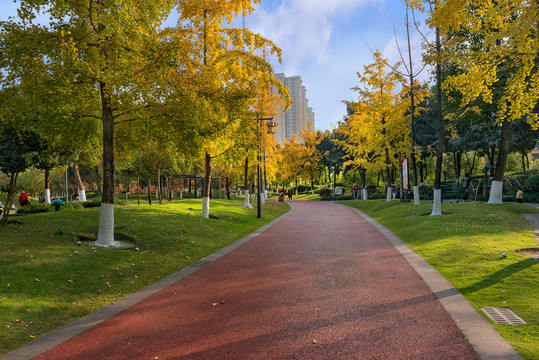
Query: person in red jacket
point(23, 198)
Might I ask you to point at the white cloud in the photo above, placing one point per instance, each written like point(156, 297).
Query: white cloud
point(303, 28)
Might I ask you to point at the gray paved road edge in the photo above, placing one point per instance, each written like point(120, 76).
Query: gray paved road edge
point(66, 332)
point(485, 340)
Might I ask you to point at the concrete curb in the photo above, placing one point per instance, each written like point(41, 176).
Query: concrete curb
point(66, 332)
point(485, 340)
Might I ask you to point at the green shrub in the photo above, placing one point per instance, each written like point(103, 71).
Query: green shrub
point(91, 204)
point(532, 183)
point(325, 193)
point(34, 208)
point(73, 205)
point(94, 203)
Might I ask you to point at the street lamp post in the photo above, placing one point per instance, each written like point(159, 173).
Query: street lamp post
point(271, 130)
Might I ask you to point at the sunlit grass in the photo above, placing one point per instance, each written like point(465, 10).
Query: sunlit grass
point(46, 281)
point(465, 245)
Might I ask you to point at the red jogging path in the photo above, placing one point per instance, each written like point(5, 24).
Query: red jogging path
point(322, 283)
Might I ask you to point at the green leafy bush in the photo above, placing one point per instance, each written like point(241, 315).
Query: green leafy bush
point(93, 203)
point(73, 205)
point(35, 208)
point(325, 193)
point(532, 183)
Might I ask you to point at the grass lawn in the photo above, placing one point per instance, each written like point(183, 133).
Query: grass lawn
point(465, 245)
point(46, 281)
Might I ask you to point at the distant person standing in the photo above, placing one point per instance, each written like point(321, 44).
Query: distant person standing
point(289, 194)
point(23, 198)
point(520, 194)
point(356, 191)
point(466, 184)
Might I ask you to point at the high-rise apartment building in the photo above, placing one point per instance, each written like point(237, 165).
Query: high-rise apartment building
point(299, 114)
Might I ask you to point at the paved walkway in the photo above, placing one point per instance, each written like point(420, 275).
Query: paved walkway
point(324, 282)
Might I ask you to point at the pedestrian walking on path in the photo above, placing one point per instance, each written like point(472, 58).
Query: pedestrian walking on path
point(315, 291)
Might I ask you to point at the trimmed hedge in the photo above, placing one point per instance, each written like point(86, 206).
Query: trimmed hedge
point(93, 203)
point(73, 205)
point(325, 193)
point(35, 208)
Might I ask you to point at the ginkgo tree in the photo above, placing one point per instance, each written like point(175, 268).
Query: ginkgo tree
point(377, 134)
point(108, 48)
point(225, 69)
point(311, 157)
point(504, 69)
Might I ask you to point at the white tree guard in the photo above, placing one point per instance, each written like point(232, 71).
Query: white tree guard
point(105, 236)
point(365, 194)
point(388, 193)
point(247, 204)
point(416, 196)
point(82, 195)
point(265, 194)
point(48, 196)
point(437, 202)
point(496, 192)
point(262, 201)
point(205, 207)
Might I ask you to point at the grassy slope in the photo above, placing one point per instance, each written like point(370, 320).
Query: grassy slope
point(47, 281)
point(465, 246)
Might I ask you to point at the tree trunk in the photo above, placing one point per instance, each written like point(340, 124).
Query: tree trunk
point(105, 235)
point(496, 192)
point(170, 186)
point(227, 187)
point(47, 186)
point(413, 162)
point(138, 189)
point(10, 195)
point(247, 202)
point(149, 192)
point(159, 187)
point(80, 185)
point(389, 179)
point(206, 190)
point(457, 156)
point(437, 201)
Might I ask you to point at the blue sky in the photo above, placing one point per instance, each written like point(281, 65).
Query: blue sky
point(326, 42)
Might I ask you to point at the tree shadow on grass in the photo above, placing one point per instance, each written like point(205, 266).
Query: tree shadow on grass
point(499, 275)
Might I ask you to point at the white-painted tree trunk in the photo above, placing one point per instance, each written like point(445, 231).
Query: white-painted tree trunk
point(365, 194)
point(496, 192)
point(247, 204)
point(105, 235)
point(205, 207)
point(82, 195)
point(437, 202)
point(48, 196)
point(417, 201)
point(265, 195)
point(262, 200)
point(181, 194)
point(312, 191)
point(388, 193)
